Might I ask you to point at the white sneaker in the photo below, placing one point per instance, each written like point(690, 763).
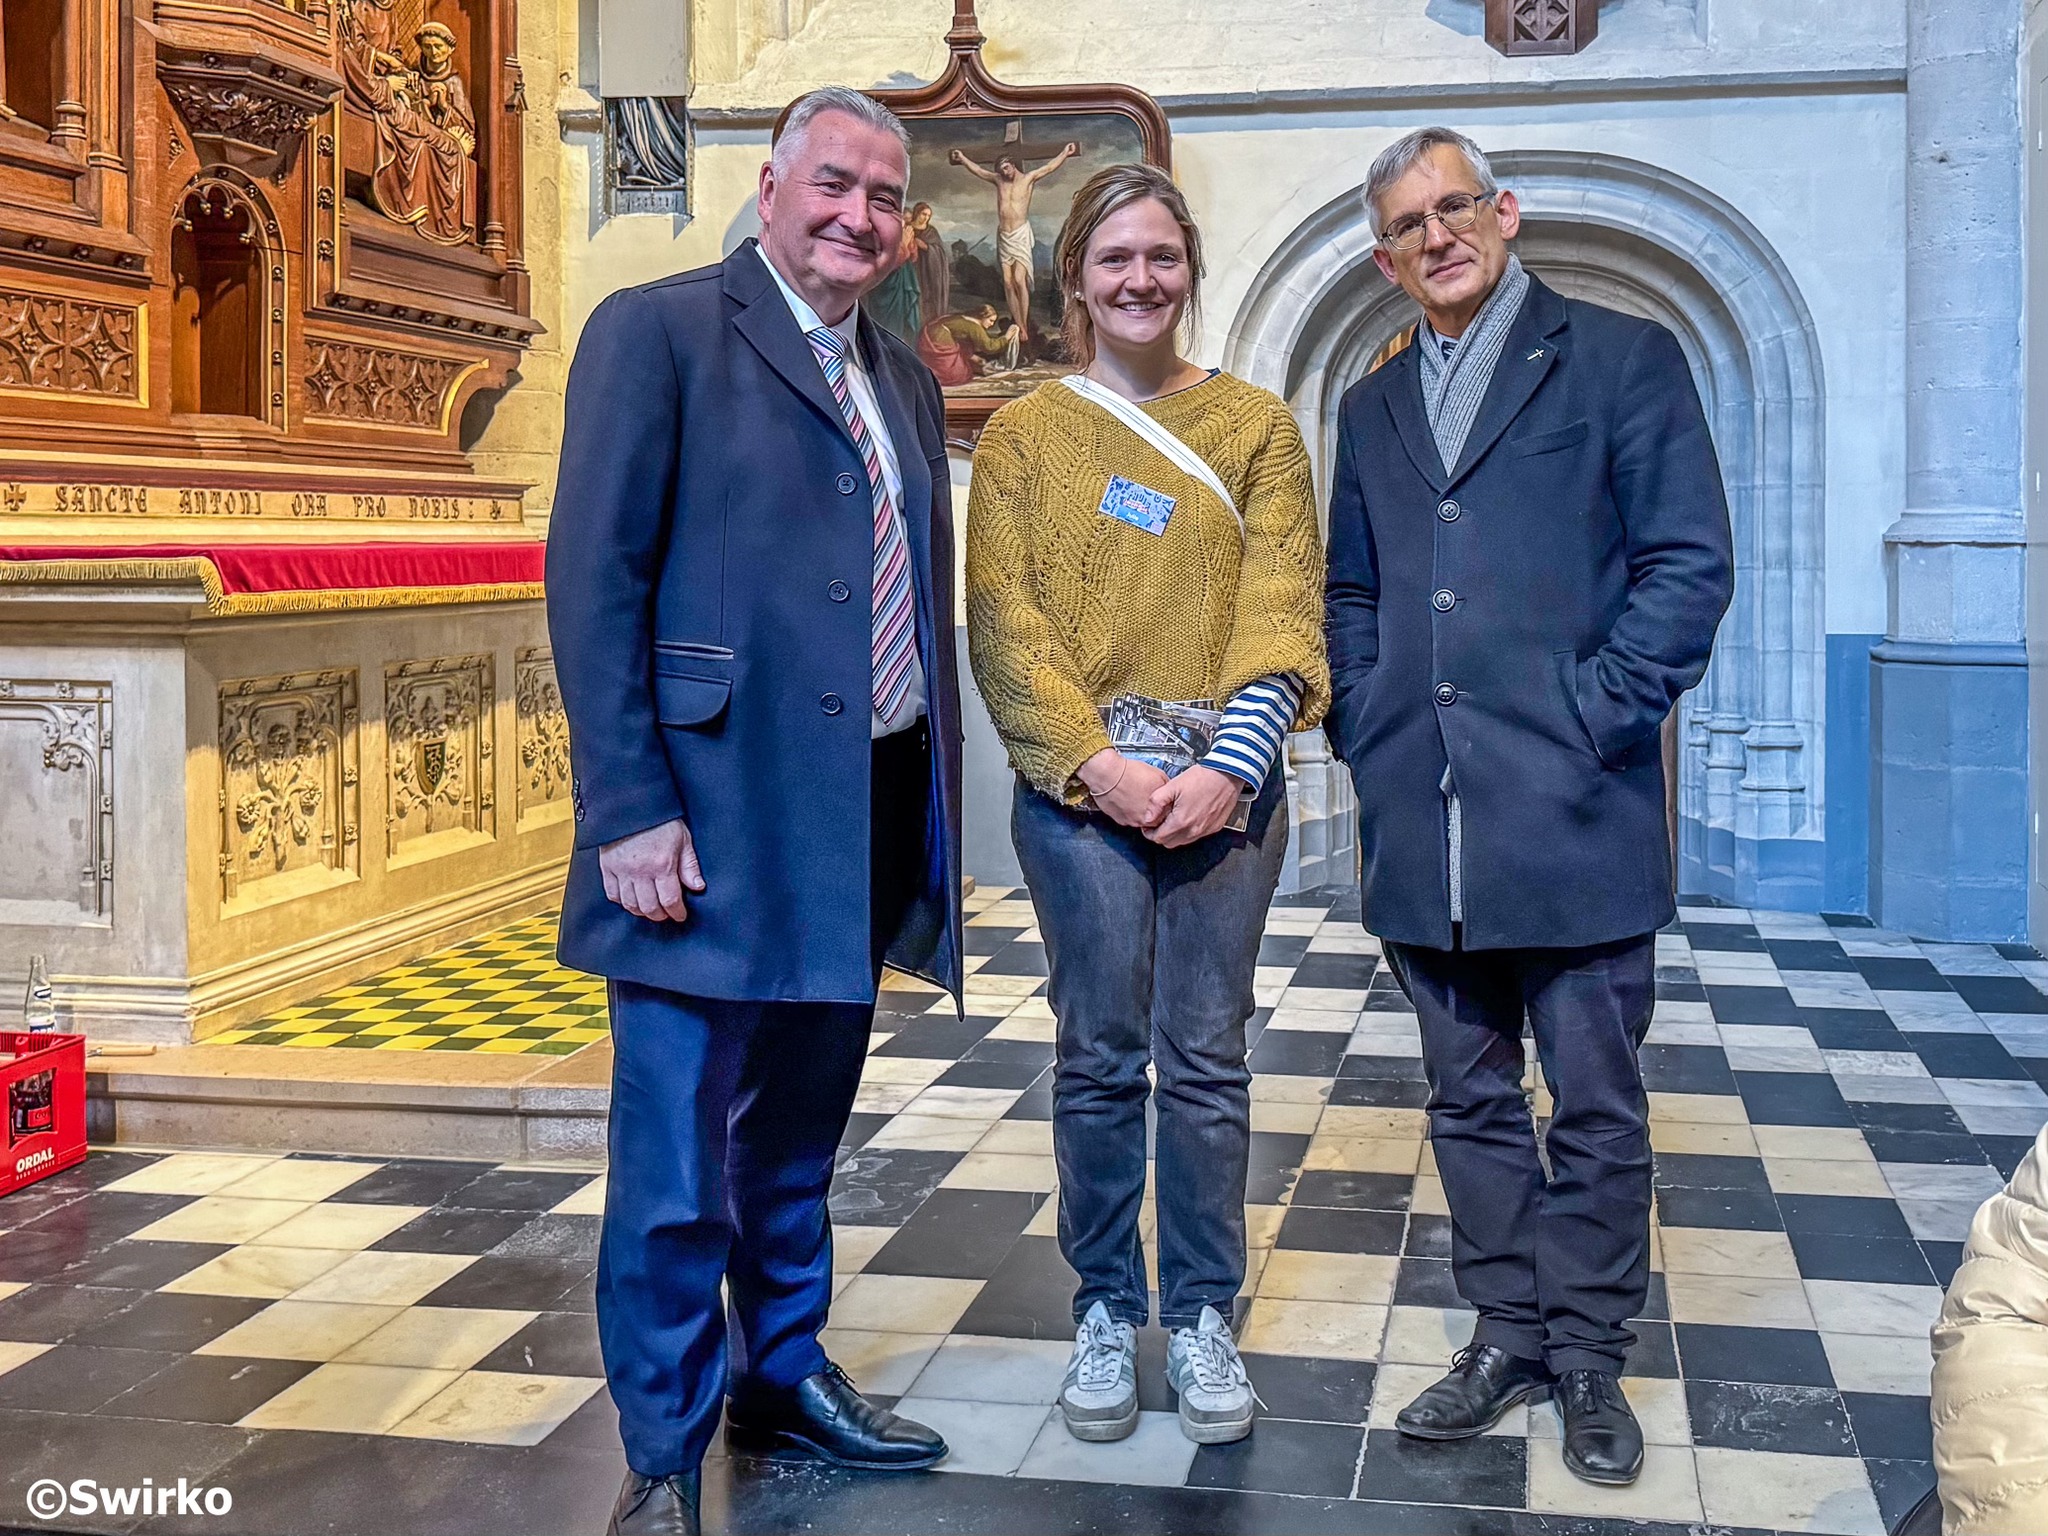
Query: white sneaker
point(1216, 1396)
point(1100, 1395)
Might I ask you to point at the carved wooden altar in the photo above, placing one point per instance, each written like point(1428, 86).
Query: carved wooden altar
point(256, 259)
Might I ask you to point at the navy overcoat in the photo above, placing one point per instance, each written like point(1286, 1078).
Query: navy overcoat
point(1529, 619)
point(709, 593)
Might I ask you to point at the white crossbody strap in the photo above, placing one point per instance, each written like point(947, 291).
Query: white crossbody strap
point(1177, 452)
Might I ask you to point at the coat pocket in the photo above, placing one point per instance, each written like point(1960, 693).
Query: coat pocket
point(1549, 442)
point(1565, 666)
point(692, 648)
point(690, 701)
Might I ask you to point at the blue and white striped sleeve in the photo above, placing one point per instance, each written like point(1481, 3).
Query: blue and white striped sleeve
point(1255, 723)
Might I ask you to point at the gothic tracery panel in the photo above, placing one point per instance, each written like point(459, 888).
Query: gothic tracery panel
point(346, 381)
point(65, 346)
point(57, 814)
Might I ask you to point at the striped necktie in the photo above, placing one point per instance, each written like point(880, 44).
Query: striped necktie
point(895, 630)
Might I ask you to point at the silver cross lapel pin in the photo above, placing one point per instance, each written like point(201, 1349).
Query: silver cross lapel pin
point(1534, 355)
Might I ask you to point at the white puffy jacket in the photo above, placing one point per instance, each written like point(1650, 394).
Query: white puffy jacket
point(1991, 1366)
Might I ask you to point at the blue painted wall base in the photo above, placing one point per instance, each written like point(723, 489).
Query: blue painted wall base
point(1948, 794)
point(1784, 874)
point(1848, 774)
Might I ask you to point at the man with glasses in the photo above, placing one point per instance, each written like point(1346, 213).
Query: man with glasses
point(1529, 553)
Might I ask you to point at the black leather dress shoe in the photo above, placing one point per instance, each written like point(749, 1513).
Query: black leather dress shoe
point(1603, 1443)
point(823, 1417)
point(1484, 1383)
point(656, 1506)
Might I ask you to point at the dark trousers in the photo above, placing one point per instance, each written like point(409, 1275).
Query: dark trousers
point(1151, 952)
point(1555, 1268)
point(725, 1124)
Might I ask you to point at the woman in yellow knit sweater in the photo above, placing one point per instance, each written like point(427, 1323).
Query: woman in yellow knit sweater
point(1147, 528)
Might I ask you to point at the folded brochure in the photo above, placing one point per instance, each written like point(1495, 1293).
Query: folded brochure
point(1172, 737)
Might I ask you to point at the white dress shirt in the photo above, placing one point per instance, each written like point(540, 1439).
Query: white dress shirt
point(865, 400)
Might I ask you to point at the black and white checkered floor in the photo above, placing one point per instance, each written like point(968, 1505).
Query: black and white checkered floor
point(410, 1343)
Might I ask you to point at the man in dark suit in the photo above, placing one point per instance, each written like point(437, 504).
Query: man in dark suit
point(750, 593)
point(1529, 553)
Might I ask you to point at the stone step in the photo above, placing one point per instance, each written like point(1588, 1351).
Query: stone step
point(382, 1104)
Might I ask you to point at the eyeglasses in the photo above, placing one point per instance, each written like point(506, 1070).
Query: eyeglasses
point(1456, 212)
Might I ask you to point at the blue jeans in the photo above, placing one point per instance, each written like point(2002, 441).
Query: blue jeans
point(1151, 952)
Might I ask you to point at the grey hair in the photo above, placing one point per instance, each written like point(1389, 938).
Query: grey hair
point(1404, 153)
point(809, 107)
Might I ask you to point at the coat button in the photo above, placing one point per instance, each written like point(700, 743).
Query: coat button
point(839, 591)
point(1448, 511)
point(1444, 600)
point(846, 485)
point(832, 704)
point(1446, 694)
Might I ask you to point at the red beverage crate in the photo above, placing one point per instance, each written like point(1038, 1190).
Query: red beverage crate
point(42, 1089)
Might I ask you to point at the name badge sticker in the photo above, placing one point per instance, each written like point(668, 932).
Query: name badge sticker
point(1139, 505)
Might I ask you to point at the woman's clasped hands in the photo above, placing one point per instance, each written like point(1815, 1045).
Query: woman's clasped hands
point(1172, 812)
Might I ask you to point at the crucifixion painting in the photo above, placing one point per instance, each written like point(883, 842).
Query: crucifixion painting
point(1016, 245)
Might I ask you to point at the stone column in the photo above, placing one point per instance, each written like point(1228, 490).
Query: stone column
point(1949, 683)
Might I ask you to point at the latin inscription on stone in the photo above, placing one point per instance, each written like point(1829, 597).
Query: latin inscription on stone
point(28, 498)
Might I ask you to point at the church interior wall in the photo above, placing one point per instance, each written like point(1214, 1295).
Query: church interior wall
point(1259, 155)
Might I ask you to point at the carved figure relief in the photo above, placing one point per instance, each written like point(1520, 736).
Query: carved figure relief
point(57, 817)
point(647, 141)
point(349, 382)
point(425, 173)
point(543, 740)
point(438, 737)
point(288, 786)
point(68, 346)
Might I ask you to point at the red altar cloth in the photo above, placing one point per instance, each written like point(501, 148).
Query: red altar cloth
point(246, 578)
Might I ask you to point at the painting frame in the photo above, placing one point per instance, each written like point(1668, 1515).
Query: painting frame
point(966, 93)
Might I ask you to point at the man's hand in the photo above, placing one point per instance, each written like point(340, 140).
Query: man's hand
point(1122, 787)
point(648, 872)
point(1188, 808)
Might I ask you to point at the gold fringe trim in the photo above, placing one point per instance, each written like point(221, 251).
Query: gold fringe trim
point(337, 598)
point(221, 604)
point(37, 573)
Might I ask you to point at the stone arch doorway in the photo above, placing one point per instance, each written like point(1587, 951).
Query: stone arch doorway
point(1625, 234)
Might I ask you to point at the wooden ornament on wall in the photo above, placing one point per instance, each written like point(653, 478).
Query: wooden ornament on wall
point(1538, 28)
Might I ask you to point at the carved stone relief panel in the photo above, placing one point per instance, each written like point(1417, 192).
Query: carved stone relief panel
point(289, 787)
point(543, 775)
point(57, 808)
point(438, 749)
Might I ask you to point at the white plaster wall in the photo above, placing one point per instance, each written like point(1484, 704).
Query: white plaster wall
point(1207, 47)
point(1834, 212)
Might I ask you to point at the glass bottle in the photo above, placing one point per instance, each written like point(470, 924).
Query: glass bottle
point(38, 1002)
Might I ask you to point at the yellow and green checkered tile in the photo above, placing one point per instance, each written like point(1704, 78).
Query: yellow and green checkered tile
point(501, 992)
